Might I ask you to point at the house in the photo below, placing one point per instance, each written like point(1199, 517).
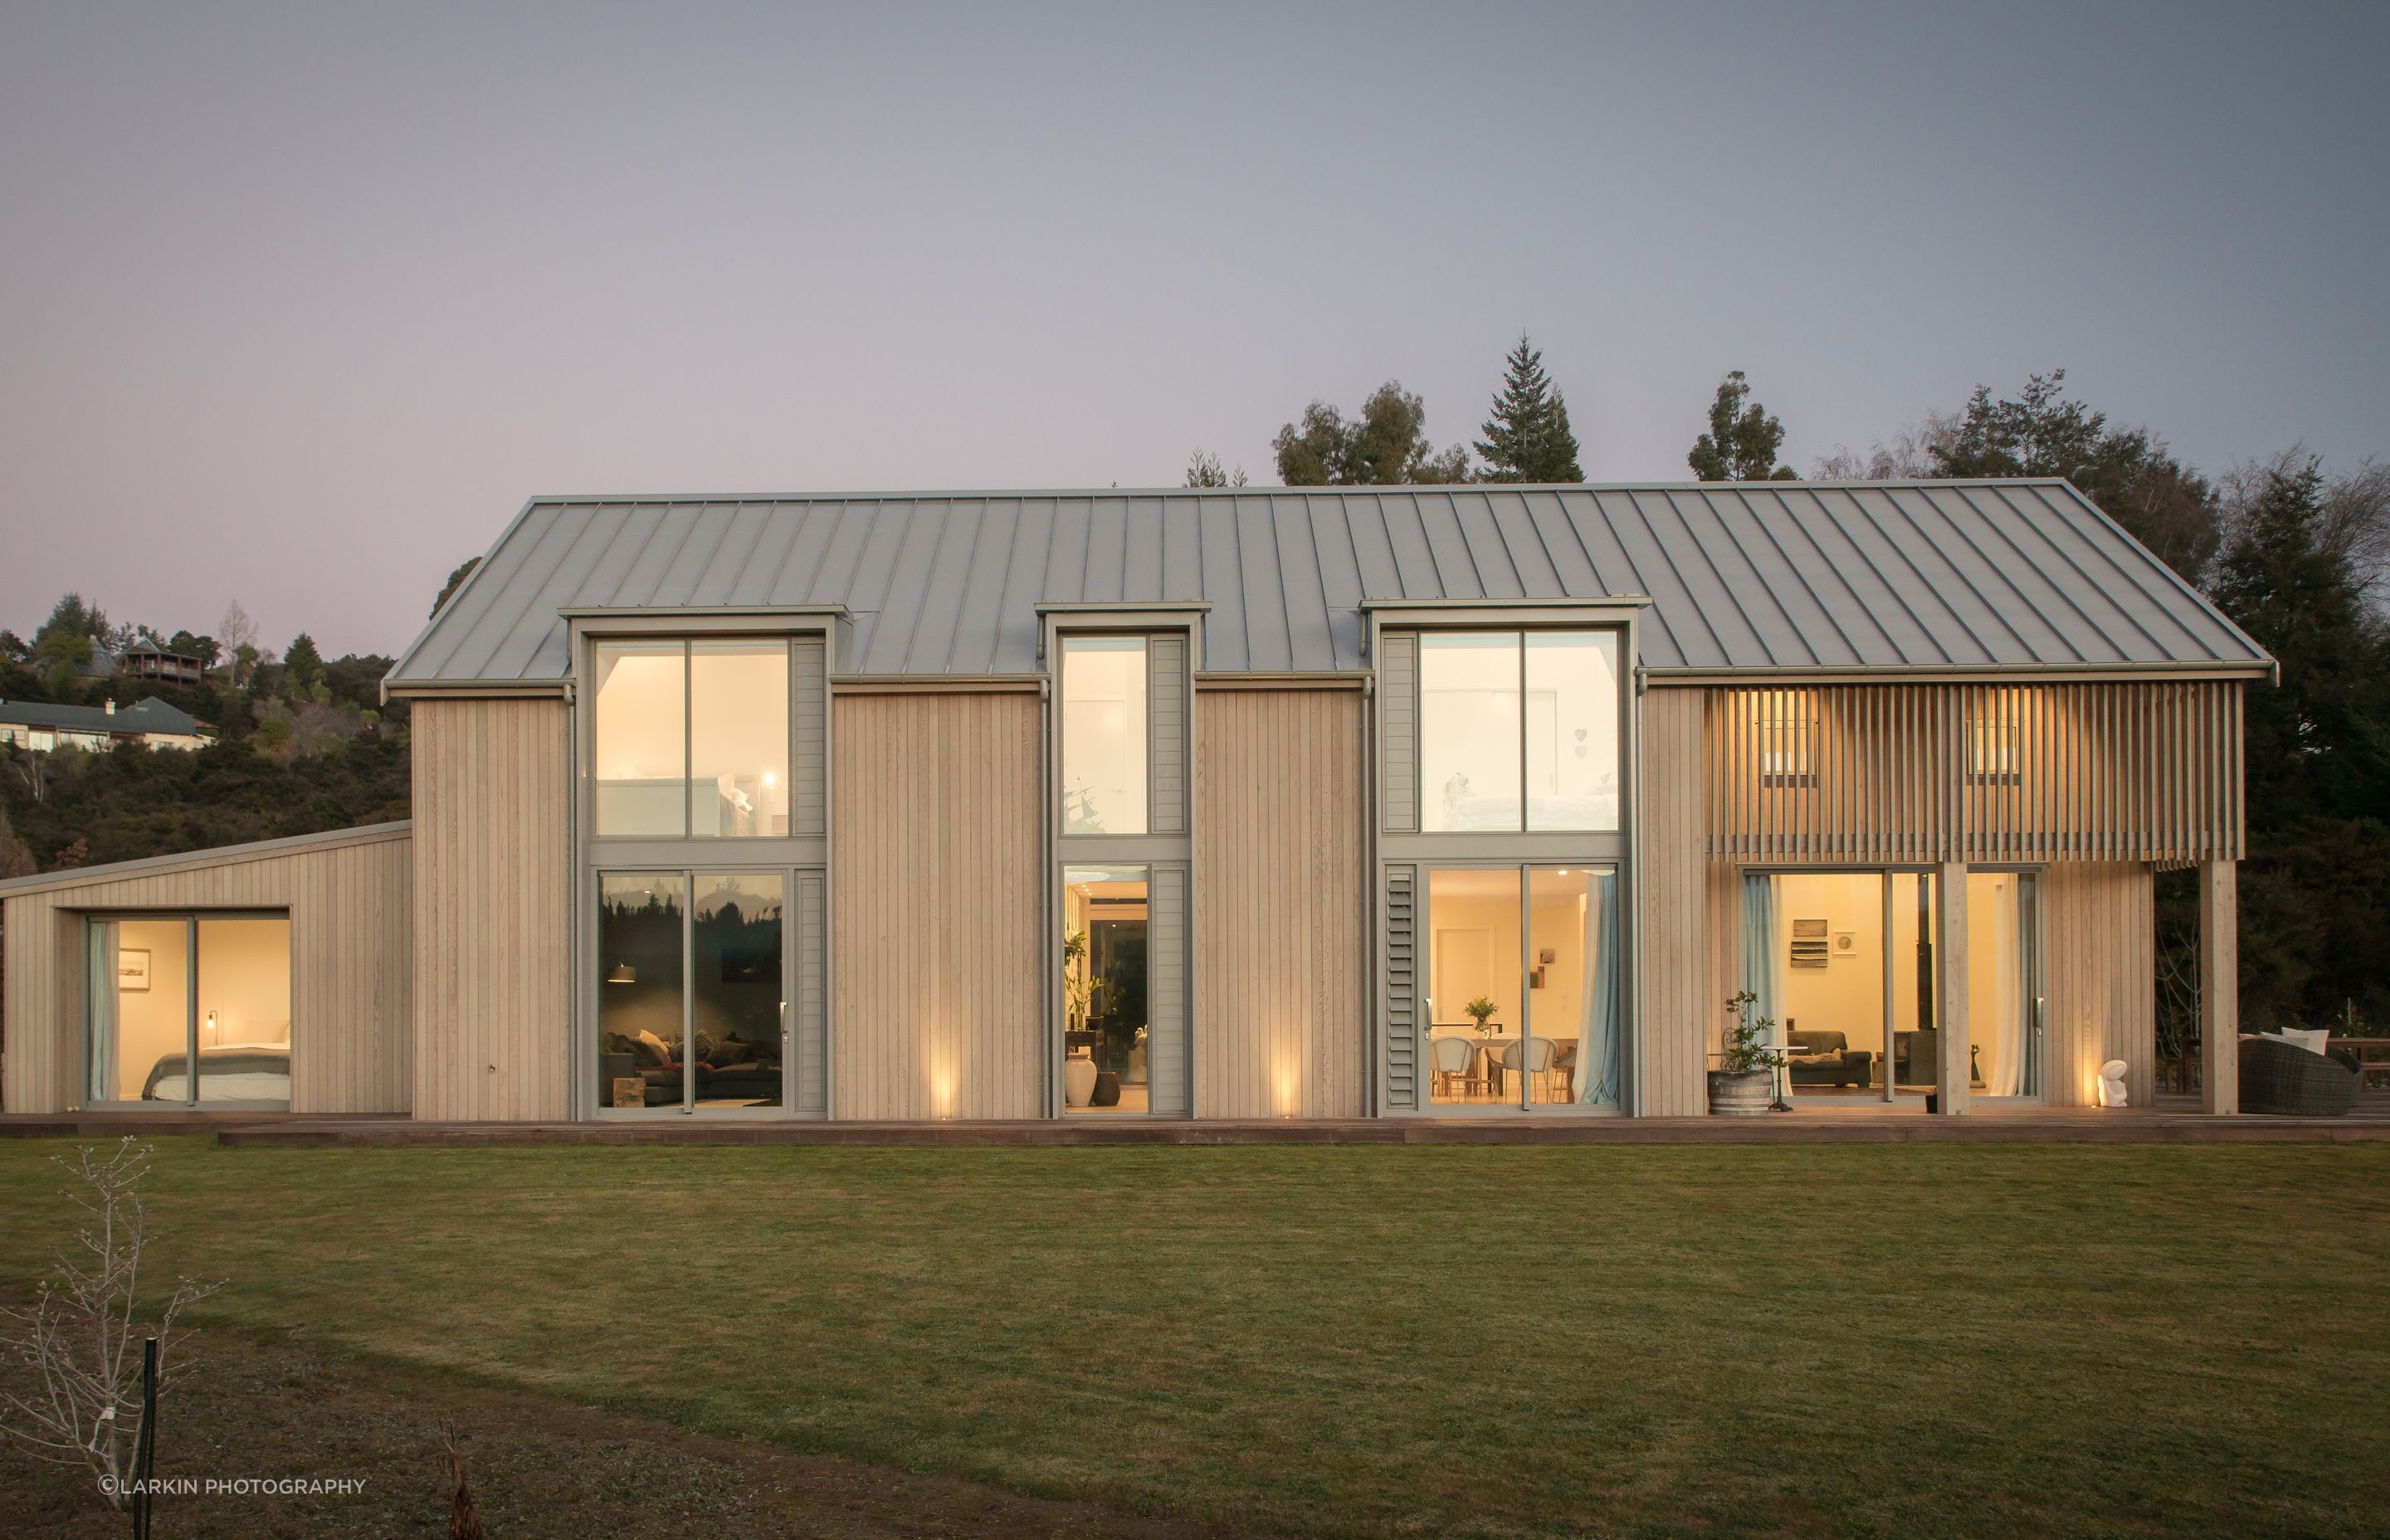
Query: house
point(151, 662)
point(148, 722)
point(1437, 801)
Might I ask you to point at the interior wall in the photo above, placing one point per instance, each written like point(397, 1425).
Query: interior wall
point(1846, 995)
point(150, 1023)
point(938, 993)
point(245, 982)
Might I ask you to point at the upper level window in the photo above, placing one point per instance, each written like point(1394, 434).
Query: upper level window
point(1103, 735)
point(1518, 730)
point(1992, 744)
point(1781, 721)
point(692, 739)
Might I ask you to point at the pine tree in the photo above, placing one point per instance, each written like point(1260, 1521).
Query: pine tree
point(303, 666)
point(1528, 438)
point(1743, 439)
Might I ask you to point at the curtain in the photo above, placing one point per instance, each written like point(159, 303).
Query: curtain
point(1761, 954)
point(1596, 1053)
point(102, 991)
point(2004, 1076)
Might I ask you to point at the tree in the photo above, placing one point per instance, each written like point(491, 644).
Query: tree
point(1743, 439)
point(82, 1340)
point(236, 634)
point(16, 856)
point(2131, 474)
point(2315, 921)
point(1203, 471)
point(303, 667)
point(1386, 446)
point(1528, 438)
point(464, 570)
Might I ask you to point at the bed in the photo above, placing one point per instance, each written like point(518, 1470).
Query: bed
point(229, 1071)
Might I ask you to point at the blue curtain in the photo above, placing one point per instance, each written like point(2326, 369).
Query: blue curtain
point(1597, 1052)
point(1760, 950)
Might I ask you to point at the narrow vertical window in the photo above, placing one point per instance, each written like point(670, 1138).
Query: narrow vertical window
point(738, 739)
point(1468, 731)
point(1103, 735)
point(1572, 705)
point(642, 739)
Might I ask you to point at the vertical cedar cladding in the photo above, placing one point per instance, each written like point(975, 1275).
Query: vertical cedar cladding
point(1986, 772)
point(1165, 663)
point(1402, 989)
point(1399, 721)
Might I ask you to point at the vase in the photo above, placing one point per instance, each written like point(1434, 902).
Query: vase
point(1078, 1079)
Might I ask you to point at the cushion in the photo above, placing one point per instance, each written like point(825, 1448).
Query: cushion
point(650, 1050)
point(732, 1052)
point(2312, 1039)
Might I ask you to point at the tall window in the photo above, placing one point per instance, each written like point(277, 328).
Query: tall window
point(1518, 730)
point(693, 739)
point(1103, 735)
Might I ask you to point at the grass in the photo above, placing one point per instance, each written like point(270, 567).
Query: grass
point(1490, 1342)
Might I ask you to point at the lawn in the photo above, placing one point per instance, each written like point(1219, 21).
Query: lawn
point(1895, 1340)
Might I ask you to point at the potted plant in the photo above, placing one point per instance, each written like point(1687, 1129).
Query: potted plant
point(1480, 1009)
point(1742, 1084)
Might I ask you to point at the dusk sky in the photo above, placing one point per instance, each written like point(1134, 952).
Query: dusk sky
point(301, 304)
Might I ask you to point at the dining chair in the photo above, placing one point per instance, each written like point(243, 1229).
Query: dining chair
point(1531, 1057)
point(1452, 1057)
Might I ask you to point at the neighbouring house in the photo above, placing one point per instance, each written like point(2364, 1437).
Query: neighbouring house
point(1464, 802)
point(149, 721)
point(175, 668)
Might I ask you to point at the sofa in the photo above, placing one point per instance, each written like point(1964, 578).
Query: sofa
point(1826, 1057)
point(2290, 1081)
point(727, 1070)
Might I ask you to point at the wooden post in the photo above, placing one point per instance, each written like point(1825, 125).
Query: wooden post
point(2220, 986)
point(1950, 985)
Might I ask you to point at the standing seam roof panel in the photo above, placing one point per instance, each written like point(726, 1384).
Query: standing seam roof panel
point(1758, 576)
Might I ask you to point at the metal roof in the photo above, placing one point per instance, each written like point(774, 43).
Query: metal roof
point(149, 714)
point(1770, 576)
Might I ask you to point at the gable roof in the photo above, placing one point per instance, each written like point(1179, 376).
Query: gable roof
point(149, 714)
point(1762, 576)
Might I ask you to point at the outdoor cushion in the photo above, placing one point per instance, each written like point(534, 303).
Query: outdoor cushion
point(2313, 1039)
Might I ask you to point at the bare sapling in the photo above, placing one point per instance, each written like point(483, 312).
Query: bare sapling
point(78, 1346)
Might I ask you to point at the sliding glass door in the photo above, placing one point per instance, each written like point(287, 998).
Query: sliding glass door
point(1523, 987)
point(693, 991)
point(188, 1010)
point(1843, 963)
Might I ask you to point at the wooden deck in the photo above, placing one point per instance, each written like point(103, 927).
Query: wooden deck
point(2156, 1125)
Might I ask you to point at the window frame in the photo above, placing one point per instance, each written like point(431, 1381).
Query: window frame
point(796, 854)
point(1624, 686)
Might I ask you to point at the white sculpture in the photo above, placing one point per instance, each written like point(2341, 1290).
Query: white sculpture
point(2112, 1082)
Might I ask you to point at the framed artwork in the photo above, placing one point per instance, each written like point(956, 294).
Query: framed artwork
point(132, 968)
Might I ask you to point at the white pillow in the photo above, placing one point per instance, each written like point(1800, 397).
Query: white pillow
point(2312, 1038)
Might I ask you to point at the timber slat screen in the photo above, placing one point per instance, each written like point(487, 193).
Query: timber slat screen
point(1926, 773)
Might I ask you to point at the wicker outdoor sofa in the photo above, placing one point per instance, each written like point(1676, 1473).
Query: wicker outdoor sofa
point(2285, 1078)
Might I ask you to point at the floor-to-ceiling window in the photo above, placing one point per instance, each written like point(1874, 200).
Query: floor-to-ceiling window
point(1107, 990)
point(706, 838)
point(1122, 814)
point(188, 1010)
point(1523, 1015)
point(1515, 853)
point(692, 1012)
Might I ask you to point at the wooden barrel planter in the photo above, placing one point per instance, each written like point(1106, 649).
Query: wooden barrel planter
point(1745, 1095)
